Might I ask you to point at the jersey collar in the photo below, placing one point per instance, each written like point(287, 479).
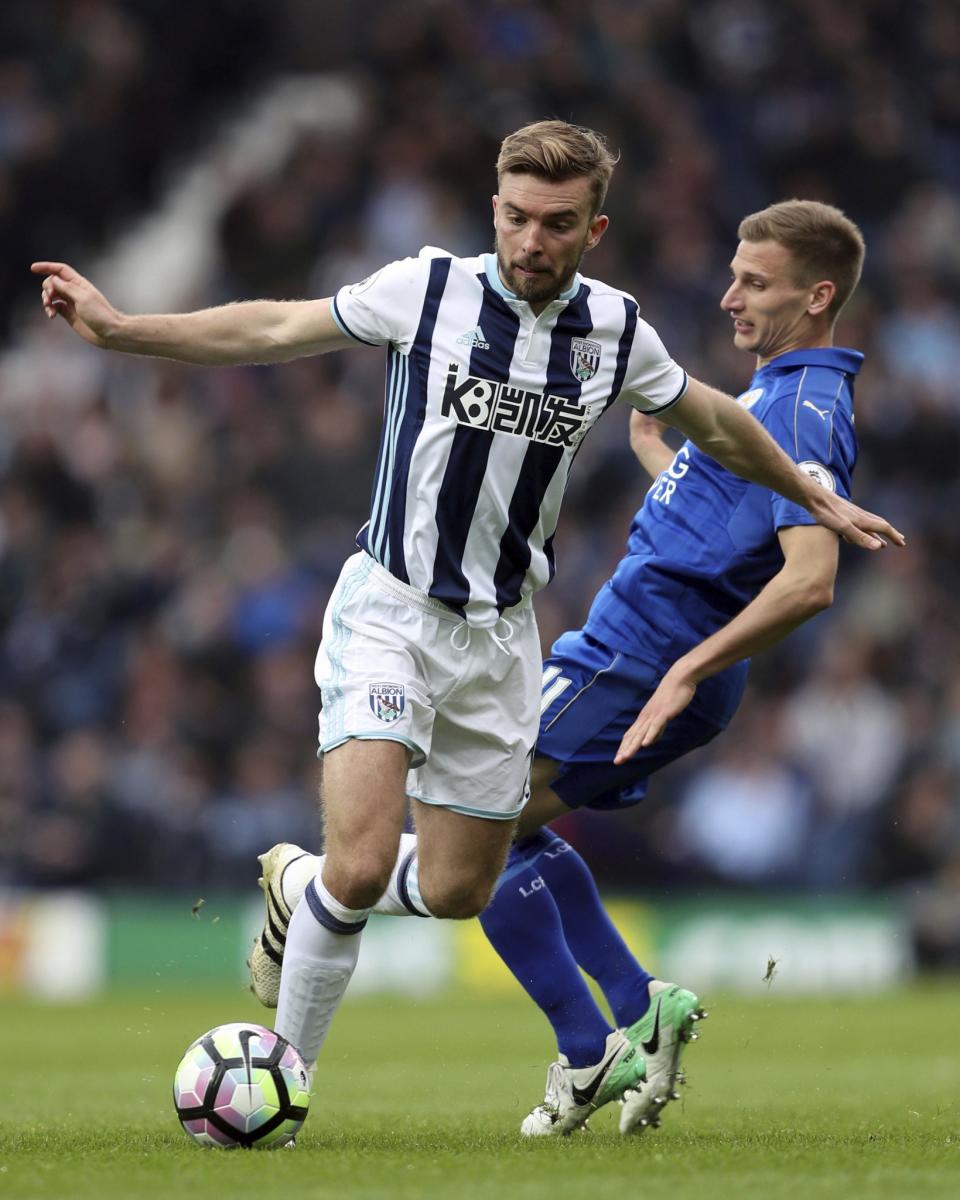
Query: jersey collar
point(493, 278)
point(837, 357)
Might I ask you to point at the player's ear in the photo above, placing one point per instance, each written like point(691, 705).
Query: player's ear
point(597, 228)
point(496, 199)
point(821, 295)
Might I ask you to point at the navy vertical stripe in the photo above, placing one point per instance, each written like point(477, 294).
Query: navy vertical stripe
point(540, 462)
point(365, 537)
point(624, 348)
point(392, 413)
point(467, 464)
point(549, 555)
point(407, 406)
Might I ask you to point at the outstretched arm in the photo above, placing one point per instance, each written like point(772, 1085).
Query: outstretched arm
point(728, 433)
point(802, 588)
point(256, 331)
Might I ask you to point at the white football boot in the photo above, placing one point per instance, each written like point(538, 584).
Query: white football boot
point(287, 869)
point(574, 1093)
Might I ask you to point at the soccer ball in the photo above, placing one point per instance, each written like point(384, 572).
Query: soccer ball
point(241, 1085)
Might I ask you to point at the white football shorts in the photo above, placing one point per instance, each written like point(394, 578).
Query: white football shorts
point(395, 664)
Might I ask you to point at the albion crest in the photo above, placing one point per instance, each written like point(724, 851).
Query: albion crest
point(584, 358)
point(386, 700)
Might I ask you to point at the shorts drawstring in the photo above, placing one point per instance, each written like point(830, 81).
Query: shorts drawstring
point(502, 638)
point(453, 636)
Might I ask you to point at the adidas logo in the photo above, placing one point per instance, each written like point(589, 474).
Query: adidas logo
point(474, 337)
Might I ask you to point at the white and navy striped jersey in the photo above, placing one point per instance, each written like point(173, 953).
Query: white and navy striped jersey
point(486, 405)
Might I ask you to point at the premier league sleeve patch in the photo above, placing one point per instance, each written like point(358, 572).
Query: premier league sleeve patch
point(823, 475)
point(386, 701)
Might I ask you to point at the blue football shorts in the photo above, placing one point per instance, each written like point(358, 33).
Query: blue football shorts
point(590, 697)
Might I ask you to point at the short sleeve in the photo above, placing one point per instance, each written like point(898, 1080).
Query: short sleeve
point(813, 426)
point(383, 308)
point(653, 381)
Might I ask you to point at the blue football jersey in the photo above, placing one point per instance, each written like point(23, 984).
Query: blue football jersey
point(705, 541)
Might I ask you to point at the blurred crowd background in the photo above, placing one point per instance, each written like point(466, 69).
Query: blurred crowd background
point(169, 536)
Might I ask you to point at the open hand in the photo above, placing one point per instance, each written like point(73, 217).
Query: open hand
point(853, 524)
point(671, 697)
point(66, 293)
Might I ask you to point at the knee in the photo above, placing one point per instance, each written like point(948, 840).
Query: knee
point(457, 900)
point(358, 882)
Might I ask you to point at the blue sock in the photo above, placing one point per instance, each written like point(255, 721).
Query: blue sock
point(524, 927)
point(590, 934)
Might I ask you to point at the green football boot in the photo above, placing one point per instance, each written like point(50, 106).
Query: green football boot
point(660, 1035)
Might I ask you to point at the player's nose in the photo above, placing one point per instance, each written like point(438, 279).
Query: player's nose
point(731, 301)
point(532, 240)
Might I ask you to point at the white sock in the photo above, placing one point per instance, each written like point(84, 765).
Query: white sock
point(404, 880)
point(323, 944)
point(402, 897)
point(297, 875)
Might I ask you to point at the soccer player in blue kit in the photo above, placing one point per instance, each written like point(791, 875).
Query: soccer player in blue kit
point(716, 569)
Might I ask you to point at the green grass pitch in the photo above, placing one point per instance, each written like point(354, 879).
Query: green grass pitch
point(415, 1100)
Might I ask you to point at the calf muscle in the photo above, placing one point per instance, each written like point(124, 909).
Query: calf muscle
point(459, 859)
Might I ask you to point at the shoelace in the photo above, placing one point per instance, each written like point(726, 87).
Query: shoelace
point(555, 1082)
point(501, 639)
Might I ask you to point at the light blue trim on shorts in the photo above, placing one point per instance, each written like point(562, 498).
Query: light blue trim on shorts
point(469, 812)
point(418, 759)
point(341, 638)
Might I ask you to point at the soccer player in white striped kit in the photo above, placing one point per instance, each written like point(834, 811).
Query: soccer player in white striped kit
point(429, 666)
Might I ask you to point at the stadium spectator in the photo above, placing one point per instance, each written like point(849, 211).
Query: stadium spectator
point(847, 735)
point(743, 819)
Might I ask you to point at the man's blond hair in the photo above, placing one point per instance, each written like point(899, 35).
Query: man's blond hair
point(558, 151)
point(823, 242)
